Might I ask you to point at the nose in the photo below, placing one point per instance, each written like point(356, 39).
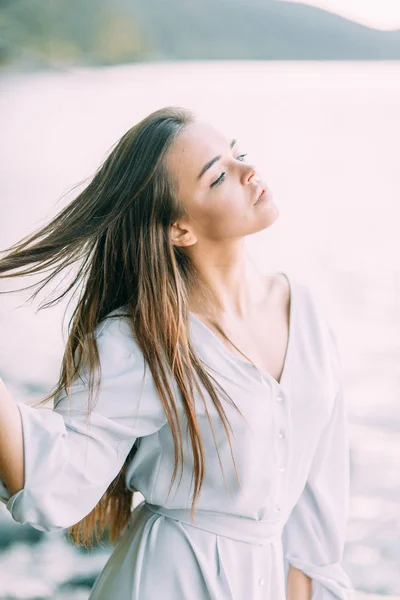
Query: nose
point(248, 173)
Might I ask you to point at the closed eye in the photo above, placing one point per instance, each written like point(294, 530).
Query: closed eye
point(221, 178)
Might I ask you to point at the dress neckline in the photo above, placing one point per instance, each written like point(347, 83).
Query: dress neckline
point(237, 358)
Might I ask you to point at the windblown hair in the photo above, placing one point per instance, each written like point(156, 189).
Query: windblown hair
point(117, 232)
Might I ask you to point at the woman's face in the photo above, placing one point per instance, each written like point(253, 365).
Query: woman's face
point(217, 187)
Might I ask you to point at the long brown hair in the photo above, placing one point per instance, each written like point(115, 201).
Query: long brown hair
point(118, 231)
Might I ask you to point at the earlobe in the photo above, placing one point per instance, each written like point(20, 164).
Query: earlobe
point(185, 239)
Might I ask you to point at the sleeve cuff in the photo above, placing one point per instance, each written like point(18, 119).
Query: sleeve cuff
point(329, 582)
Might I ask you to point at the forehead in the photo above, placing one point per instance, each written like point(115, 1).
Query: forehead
point(197, 144)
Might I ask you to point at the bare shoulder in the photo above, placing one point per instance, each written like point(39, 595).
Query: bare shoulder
point(280, 288)
point(279, 292)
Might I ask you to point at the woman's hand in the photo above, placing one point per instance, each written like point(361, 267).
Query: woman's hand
point(299, 585)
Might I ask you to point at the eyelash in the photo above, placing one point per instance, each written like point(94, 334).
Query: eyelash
point(222, 176)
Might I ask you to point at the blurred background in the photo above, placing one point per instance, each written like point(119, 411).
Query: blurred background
point(311, 90)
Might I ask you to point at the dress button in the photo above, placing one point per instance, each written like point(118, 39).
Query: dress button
point(277, 509)
point(261, 581)
point(281, 469)
point(281, 434)
point(280, 396)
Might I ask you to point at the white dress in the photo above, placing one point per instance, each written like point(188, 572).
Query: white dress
point(291, 451)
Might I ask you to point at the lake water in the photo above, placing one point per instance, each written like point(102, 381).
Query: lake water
point(326, 138)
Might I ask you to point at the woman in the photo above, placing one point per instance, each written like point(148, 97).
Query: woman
point(191, 341)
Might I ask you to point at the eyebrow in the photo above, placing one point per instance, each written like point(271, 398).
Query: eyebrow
point(214, 160)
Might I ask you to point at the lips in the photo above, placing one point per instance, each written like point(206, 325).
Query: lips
point(260, 192)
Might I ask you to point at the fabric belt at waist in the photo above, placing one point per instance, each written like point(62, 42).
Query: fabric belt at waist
point(235, 527)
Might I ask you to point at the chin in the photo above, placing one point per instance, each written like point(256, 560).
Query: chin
point(265, 219)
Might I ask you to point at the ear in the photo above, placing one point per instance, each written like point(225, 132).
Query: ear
point(181, 236)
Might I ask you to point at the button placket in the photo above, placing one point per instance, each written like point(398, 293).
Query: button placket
point(280, 446)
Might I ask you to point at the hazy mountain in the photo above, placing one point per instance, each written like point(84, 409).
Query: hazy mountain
point(40, 33)
point(258, 29)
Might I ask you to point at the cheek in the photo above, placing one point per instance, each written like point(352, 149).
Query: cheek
point(222, 211)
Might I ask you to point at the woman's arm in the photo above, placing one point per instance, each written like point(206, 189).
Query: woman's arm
point(11, 443)
point(315, 532)
point(298, 585)
point(65, 462)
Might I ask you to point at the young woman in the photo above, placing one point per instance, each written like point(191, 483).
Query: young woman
point(209, 370)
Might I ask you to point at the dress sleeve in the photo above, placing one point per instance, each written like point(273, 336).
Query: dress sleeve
point(314, 535)
point(69, 463)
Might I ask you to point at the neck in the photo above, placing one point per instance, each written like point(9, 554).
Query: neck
point(230, 284)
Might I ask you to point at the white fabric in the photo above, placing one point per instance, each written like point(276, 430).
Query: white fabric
point(291, 452)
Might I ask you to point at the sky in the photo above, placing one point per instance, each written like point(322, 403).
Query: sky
point(380, 14)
